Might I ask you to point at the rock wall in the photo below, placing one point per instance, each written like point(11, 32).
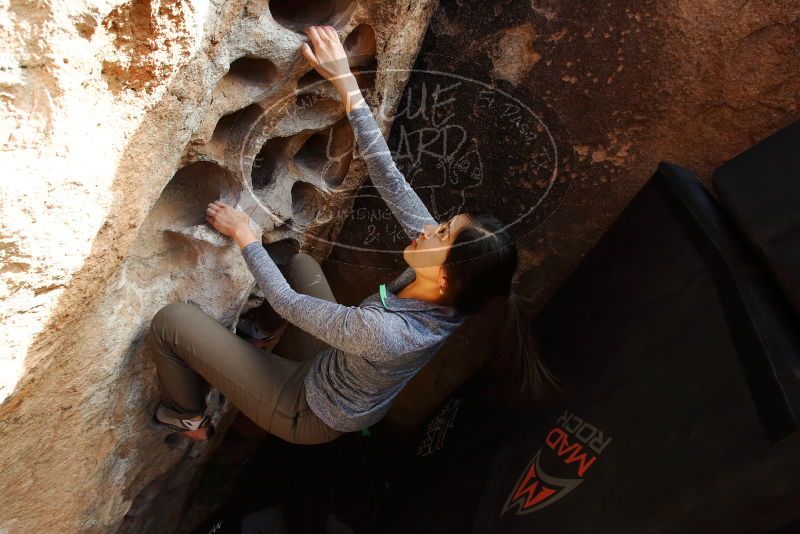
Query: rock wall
point(619, 86)
point(121, 121)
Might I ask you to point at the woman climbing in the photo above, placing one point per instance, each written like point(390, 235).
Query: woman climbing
point(338, 368)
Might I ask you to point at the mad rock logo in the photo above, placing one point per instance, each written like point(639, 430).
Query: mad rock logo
point(570, 450)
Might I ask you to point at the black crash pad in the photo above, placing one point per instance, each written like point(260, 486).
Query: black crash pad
point(676, 423)
point(760, 188)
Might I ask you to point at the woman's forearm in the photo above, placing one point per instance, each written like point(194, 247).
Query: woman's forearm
point(402, 200)
point(330, 59)
point(244, 236)
point(350, 93)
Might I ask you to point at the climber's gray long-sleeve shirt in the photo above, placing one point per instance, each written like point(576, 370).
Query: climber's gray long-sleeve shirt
point(375, 350)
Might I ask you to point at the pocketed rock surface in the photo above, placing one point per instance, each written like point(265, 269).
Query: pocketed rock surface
point(121, 122)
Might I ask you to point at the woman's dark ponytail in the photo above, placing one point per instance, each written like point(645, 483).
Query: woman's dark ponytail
point(519, 361)
point(480, 266)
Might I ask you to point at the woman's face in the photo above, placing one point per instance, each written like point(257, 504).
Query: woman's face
point(426, 253)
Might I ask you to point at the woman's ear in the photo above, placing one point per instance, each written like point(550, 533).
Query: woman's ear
point(442, 281)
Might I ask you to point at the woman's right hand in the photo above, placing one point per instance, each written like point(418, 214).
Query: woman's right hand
point(328, 56)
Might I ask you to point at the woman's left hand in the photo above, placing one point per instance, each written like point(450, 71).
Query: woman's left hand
point(227, 220)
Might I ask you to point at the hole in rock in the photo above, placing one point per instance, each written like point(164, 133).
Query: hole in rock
point(361, 45)
point(270, 162)
point(365, 77)
point(297, 14)
point(233, 129)
point(313, 82)
point(310, 106)
point(250, 73)
point(184, 200)
point(307, 201)
point(180, 213)
point(326, 155)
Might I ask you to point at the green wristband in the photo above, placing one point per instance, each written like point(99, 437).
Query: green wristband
point(382, 291)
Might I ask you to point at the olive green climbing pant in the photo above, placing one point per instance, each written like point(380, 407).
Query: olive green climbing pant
point(193, 351)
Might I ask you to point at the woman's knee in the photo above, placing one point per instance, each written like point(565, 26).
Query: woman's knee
point(300, 263)
point(171, 314)
point(309, 430)
point(307, 277)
